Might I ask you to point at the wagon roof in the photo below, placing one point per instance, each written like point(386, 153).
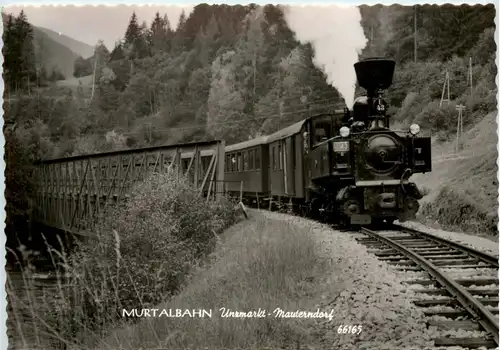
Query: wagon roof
point(286, 132)
point(262, 140)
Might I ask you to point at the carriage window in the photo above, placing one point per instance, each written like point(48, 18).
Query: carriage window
point(228, 163)
point(245, 161)
point(257, 159)
point(233, 162)
point(238, 162)
point(250, 160)
point(274, 158)
point(280, 155)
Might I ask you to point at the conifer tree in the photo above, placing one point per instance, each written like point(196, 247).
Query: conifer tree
point(179, 40)
point(133, 32)
point(159, 33)
point(25, 51)
point(117, 53)
point(8, 51)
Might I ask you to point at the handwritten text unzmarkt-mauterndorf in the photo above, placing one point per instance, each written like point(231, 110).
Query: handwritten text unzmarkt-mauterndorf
point(226, 313)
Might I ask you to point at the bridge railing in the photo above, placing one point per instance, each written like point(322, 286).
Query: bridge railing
point(75, 191)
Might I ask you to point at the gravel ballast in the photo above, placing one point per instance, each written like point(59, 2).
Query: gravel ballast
point(371, 296)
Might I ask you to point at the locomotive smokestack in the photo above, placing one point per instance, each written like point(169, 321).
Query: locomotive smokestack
point(374, 74)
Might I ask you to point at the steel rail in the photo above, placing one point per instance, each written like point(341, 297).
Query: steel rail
point(485, 257)
point(484, 317)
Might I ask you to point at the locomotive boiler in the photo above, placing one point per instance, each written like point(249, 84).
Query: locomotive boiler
point(369, 165)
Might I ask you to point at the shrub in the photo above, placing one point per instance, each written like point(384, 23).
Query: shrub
point(143, 252)
point(411, 107)
point(454, 209)
point(438, 118)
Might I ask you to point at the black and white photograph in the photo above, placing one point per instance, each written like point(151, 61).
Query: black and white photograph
point(251, 176)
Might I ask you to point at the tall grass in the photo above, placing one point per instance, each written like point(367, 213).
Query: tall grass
point(141, 255)
point(265, 264)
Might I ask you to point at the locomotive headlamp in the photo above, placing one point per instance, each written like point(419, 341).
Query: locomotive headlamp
point(414, 129)
point(344, 131)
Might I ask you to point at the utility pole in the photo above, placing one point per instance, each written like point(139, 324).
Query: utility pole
point(470, 74)
point(445, 86)
point(460, 125)
point(93, 76)
point(415, 33)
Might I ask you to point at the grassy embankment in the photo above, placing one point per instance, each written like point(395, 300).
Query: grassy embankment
point(260, 264)
point(462, 189)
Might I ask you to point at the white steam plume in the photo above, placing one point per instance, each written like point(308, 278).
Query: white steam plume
point(337, 37)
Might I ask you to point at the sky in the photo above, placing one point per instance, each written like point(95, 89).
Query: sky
point(91, 23)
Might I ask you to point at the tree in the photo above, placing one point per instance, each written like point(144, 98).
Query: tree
point(136, 39)
point(133, 31)
point(19, 53)
point(117, 53)
point(179, 40)
point(9, 52)
point(159, 34)
point(26, 54)
point(82, 67)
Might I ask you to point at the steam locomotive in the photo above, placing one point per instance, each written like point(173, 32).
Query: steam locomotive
point(346, 166)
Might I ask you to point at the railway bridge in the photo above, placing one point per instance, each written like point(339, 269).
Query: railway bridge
point(75, 192)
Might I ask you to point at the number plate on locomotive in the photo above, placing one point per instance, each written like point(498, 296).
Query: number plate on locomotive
point(341, 146)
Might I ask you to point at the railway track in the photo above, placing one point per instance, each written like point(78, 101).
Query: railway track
point(457, 286)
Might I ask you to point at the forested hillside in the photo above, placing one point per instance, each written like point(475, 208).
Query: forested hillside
point(81, 49)
point(232, 72)
point(448, 39)
point(53, 52)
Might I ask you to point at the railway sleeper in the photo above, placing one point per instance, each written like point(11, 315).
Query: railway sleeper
point(457, 255)
point(454, 313)
point(452, 301)
point(421, 245)
point(405, 262)
point(430, 253)
point(442, 291)
point(429, 257)
point(467, 325)
point(453, 262)
point(400, 238)
point(470, 343)
point(464, 282)
point(435, 247)
point(473, 266)
point(416, 242)
point(412, 241)
point(426, 252)
point(409, 268)
point(388, 252)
